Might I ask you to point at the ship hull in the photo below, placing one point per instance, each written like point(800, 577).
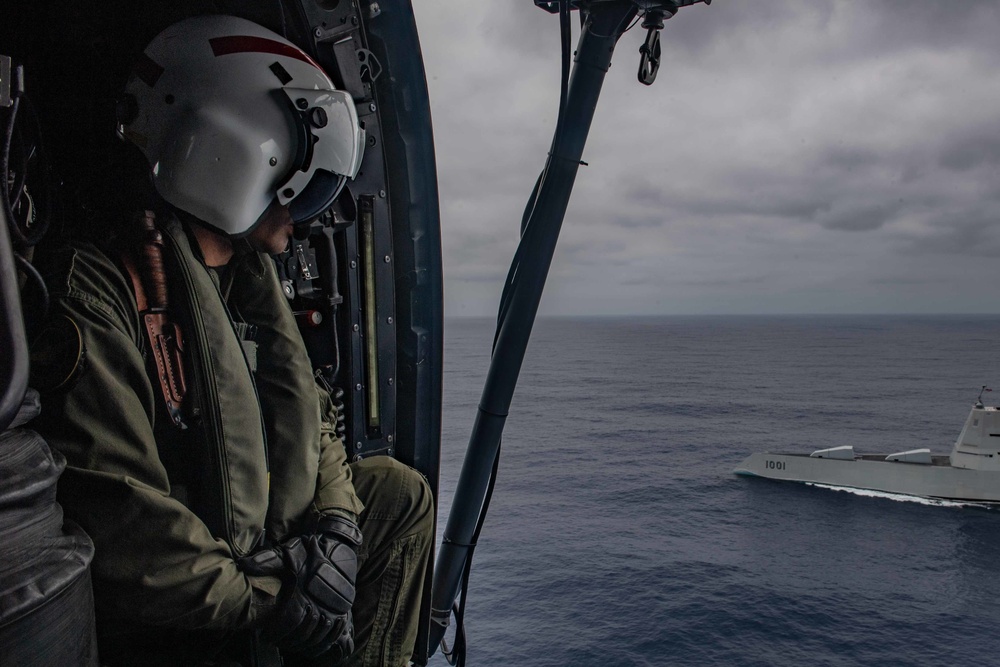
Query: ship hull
point(936, 480)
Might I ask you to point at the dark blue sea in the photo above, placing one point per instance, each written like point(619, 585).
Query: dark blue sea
point(619, 536)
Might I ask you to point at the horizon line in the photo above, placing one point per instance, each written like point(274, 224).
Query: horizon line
point(765, 314)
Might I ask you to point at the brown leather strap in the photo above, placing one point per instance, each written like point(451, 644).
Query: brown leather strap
point(166, 340)
point(140, 293)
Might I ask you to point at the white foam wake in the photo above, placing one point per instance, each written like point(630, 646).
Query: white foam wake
point(902, 497)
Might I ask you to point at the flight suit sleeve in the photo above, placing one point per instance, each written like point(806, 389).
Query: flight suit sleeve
point(155, 562)
point(308, 465)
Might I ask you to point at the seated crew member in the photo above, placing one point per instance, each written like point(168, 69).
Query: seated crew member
point(233, 530)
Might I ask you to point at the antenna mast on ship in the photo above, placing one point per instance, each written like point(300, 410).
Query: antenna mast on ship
point(979, 399)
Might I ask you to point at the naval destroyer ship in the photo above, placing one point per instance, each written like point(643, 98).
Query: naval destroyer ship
point(970, 473)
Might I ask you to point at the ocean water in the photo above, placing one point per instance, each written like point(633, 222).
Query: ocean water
point(618, 534)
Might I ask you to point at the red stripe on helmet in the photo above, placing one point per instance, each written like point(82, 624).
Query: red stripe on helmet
point(147, 70)
point(223, 46)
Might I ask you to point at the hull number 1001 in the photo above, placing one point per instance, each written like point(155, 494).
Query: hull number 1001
point(774, 465)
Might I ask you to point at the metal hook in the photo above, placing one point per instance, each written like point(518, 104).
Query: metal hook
point(649, 63)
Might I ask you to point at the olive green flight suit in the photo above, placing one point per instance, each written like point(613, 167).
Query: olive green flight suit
point(170, 510)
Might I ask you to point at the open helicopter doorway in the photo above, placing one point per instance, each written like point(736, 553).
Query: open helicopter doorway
point(364, 280)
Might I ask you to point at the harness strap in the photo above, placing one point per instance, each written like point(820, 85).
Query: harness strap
point(166, 341)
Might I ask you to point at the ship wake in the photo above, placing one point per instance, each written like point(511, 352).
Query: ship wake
point(903, 498)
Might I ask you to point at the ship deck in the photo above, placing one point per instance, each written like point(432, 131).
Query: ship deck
point(936, 460)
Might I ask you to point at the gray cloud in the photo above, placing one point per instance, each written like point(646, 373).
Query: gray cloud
point(972, 234)
point(789, 155)
point(857, 220)
point(978, 150)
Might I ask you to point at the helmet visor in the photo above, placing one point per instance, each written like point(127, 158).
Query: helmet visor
point(333, 150)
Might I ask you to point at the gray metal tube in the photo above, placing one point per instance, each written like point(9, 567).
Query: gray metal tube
point(597, 42)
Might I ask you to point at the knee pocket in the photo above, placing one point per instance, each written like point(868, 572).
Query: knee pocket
point(393, 491)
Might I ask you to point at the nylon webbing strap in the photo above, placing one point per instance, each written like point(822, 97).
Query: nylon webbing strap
point(166, 342)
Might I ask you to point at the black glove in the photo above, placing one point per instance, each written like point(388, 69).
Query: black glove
point(318, 572)
point(339, 538)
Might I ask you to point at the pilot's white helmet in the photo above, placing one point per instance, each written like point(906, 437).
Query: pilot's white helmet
point(231, 116)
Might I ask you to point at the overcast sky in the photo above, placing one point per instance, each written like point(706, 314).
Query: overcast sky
point(825, 156)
